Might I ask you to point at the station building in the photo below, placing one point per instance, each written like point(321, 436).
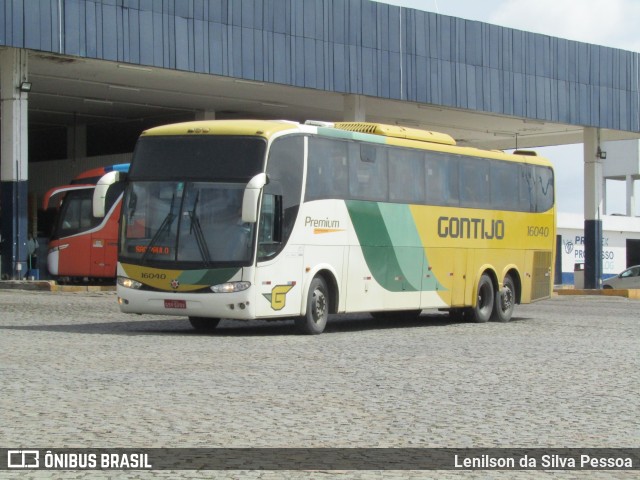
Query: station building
point(81, 79)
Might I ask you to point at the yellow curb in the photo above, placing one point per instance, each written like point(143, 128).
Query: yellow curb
point(52, 286)
point(633, 294)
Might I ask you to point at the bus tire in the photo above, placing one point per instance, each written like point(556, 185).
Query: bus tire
point(204, 324)
point(505, 301)
point(481, 313)
point(315, 318)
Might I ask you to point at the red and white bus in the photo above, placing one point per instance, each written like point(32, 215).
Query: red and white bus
point(84, 240)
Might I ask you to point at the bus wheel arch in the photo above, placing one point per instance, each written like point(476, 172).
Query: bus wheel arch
point(320, 300)
point(332, 285)
point(517, 283)
point(329, 277)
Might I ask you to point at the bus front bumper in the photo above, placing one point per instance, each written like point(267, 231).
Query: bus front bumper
point(237, 305)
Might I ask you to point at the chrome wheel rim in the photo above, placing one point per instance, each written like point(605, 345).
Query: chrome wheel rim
point(507, 300)
point(319, 306)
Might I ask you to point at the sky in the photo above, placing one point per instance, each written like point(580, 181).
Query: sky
point(613, 23)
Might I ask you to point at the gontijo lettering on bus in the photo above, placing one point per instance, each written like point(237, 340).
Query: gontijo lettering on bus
point(475, 228)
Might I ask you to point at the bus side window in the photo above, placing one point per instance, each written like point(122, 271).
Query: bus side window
point(475, 189)
point(327, 175)
point(367, 172)
point(86, 214)
point(527, 189)
point(544, 188)
point(504, 185)
point(406, 171)
point(441, 179)
point(270, 233)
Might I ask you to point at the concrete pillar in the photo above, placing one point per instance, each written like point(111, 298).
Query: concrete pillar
point(355, 108)
point(592, 209)
point(13, 162)
point(205, 115)
point(631, 196)
point(77, 141)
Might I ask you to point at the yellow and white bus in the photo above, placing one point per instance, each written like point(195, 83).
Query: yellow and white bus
point(249, 219)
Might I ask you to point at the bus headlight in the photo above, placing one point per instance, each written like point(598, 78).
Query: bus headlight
point(230, 287)
point(129, 283)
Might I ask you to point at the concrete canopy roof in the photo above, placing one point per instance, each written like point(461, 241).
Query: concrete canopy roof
point(68, 90)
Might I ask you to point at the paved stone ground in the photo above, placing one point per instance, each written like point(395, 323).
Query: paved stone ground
point(78, 373)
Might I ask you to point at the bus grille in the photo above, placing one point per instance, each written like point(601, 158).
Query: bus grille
point(541, 281)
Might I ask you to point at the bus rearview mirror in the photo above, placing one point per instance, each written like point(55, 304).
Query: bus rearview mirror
point(251, 196)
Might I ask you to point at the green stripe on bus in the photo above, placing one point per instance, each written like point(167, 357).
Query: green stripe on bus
point(391, 246)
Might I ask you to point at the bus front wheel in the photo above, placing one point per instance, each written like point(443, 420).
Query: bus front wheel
point(315, 319)
point(203, 324)
point(485, 299)
point(505, 301)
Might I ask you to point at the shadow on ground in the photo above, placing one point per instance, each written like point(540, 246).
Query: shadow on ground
point(239, 328)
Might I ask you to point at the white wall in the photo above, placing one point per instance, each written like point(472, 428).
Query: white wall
point(615, 232)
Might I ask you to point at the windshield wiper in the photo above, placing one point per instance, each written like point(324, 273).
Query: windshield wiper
point(195, 226)
point(165, 225)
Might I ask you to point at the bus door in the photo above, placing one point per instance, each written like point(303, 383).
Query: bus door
point(104, 241)
point(279, 268)
point(70, 246)
point(279, 271)
point(97, 254)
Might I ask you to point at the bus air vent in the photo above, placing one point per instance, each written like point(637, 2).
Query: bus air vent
point(529, 153)
point(541, 278)
point(396, 131)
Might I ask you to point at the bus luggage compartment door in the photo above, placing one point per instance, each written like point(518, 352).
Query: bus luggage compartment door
point(445, 273)
point(97, 256)
point(459, 278)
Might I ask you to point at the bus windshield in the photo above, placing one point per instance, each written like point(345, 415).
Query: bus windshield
point(196, 220)
point(230, 158)
point(186, 222)
point(75, 214)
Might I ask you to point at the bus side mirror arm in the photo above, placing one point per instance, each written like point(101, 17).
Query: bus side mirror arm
point(100, 192)
point(251, 196)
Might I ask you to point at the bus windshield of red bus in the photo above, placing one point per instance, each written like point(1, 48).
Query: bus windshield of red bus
point(76, 214)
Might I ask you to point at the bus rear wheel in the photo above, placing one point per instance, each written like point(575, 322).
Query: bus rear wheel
point(505, 301)
point(315, 319)
point(484, 302)
point(204, 324)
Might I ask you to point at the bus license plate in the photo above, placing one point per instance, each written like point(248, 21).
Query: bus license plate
point(175, 304)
